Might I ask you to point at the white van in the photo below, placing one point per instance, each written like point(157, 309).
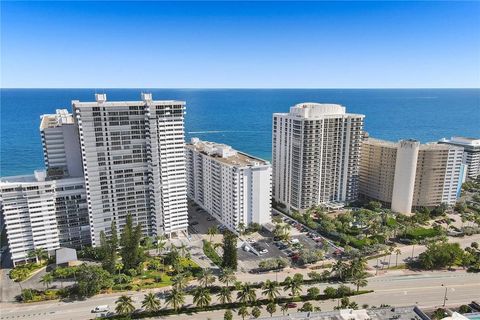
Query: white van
point(101, 309)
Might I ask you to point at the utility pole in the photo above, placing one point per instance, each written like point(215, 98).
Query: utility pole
point(445, 296)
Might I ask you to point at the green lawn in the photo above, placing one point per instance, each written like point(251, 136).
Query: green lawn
point(420, 233)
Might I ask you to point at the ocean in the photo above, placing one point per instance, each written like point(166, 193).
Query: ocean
point(243, 117)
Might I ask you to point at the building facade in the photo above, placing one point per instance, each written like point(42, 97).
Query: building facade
point(134, 163)
point(233, 187)
point(315, 155)
point(471, 153)
point(407, 175)
point(40, 213)
point(61, 144)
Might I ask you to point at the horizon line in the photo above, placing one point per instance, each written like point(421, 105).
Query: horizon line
point(250, 88)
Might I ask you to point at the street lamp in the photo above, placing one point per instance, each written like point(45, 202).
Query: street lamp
point(445, 296)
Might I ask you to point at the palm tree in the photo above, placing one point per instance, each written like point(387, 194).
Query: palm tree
point(150, 302)
point(339, 268)
point(212, 231)
point(180, 281)
point(256, 312)
point(293, 285)
point(360, 280)
point(160, 244)
point(241, 228)
point(182, 250)
point(284, 308)
point(271, 308)
point(243, 312)
point(124, 305)
point(39, 254)
point(61, 273)
point(227, 276)
point(390, 251)
point(224, 295)
point(118, 267)
point(414, 242)
point(270, 290)
point(176, 298)
point(47, 279)
point(206, 278)
point(246, 294)
point(397, 252)
point(201, 297)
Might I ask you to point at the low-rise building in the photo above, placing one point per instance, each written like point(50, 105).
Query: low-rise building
point(40, 213)
point(230, 185)
point(407, 175)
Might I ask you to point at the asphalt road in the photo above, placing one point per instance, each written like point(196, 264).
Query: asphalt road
point(397, 288)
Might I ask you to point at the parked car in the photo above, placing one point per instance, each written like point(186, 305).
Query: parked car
point(103, 308)
point(210, 219)
point(291, 305)
point(193, 223)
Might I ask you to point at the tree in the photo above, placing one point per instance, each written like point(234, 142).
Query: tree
point(270, 290)
point(256, 312)
point(246, 294)
point(62, 274)
point(131, 252)
point(313, 293)
point(284, 308)
point(360, 280)
point(150, 302)
point(307, 307)
point(340, 268)
point(206, 278)
point(212, 231)
point(124, 305)
point(47, 279)
point(229, 259)
point(294, 285)
point(160, 243)
point(397, 252)
point(202, 297)
point(109, 247)
point(271, 308)
point(440, 255)
point(227, 276)
point(180, 281)
point(241, 228)
point(176, 299)
point(92, 279)
point(118, 267)
point(228, 315)
point(330, 292)
point(243, 312)
point(39, 254)
point(224, 295)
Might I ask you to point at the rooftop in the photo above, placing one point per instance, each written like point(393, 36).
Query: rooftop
point(225, 154)
point(399, 313)
point(101, 99)
point(61, 117)
point(379, 142)
point(466, 141)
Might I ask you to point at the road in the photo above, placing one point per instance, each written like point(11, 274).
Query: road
point(396, 288)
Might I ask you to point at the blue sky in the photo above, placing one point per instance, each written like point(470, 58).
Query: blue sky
point(240, 45)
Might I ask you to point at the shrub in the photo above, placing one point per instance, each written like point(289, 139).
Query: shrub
point(210, 252)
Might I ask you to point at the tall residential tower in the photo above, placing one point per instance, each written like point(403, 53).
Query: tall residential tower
point(316, 153)
point(232, 186)
point(134, 162)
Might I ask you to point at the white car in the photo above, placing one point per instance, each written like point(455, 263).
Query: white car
point(263, 251)
point(104, 308)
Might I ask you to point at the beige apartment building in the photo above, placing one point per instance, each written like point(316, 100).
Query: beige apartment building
point(407, 175)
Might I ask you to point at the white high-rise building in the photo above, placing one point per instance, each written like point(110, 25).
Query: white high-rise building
point(42, 213)
point(316, 152)
point(471, 153)
point(230, 185)
point(61, 144)
point(134, 162)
